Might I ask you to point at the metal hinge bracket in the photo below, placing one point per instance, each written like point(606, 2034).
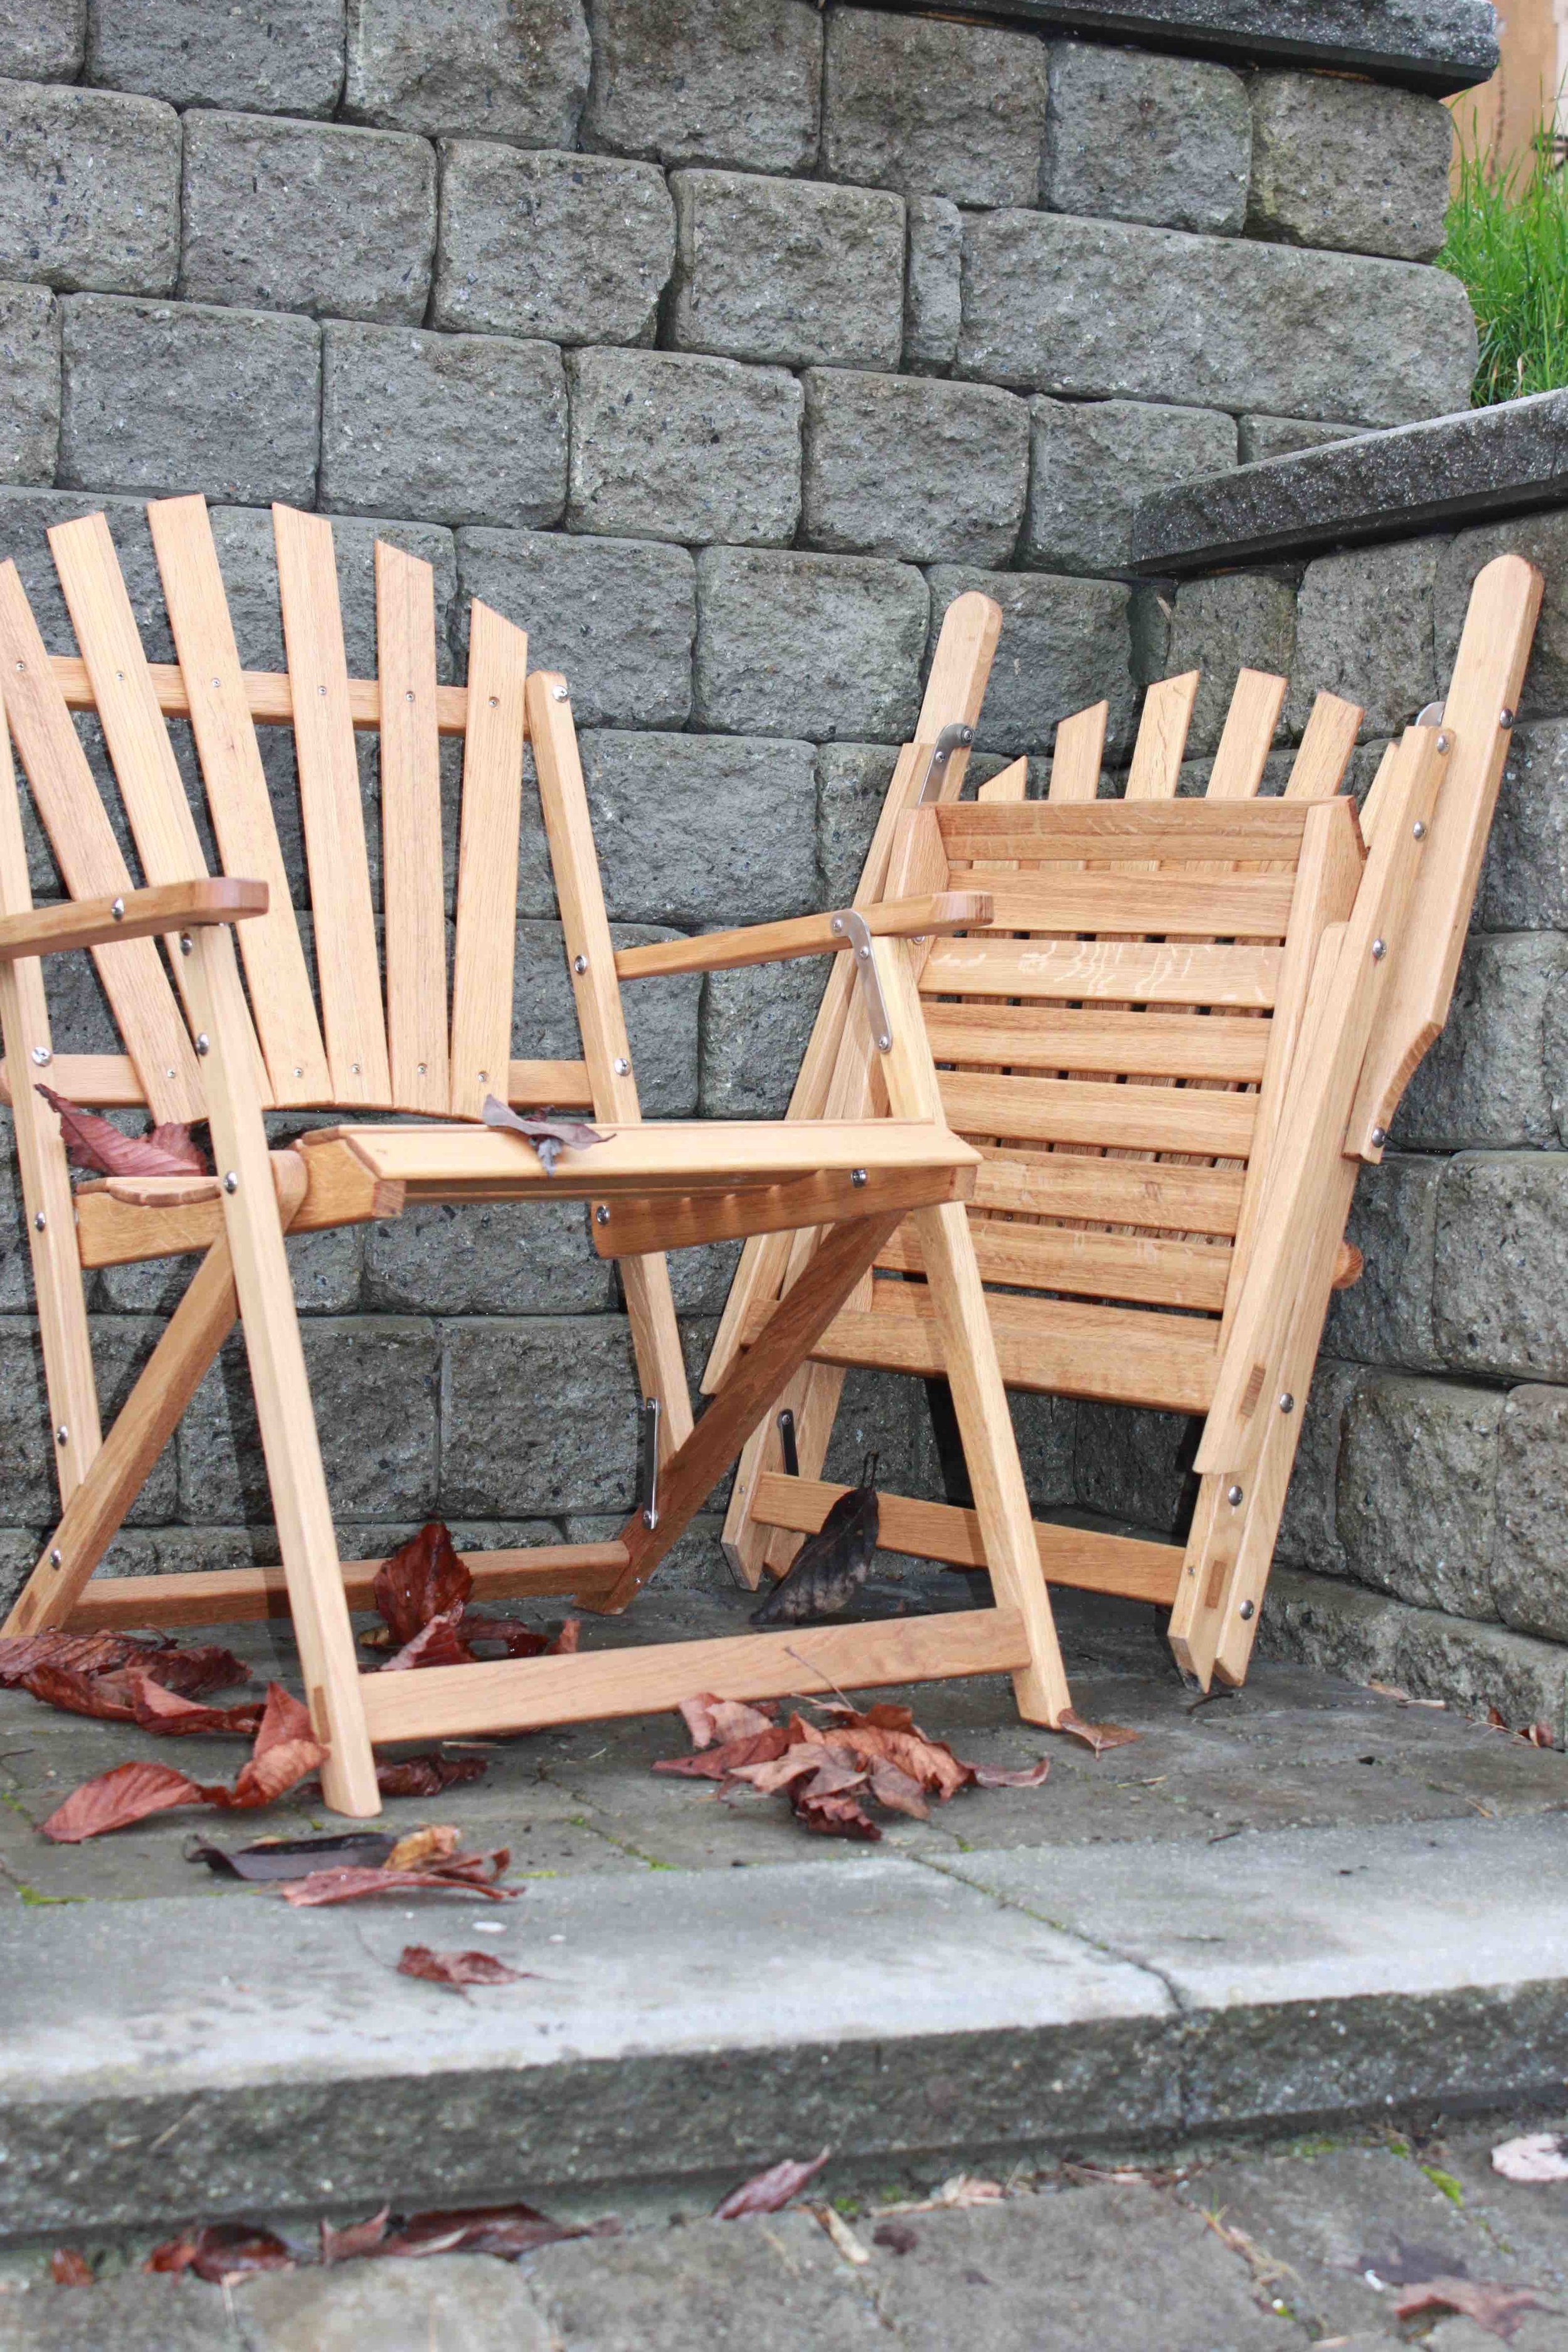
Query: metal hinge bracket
point(956, 738)
point(647, 1460)
point(852, 925)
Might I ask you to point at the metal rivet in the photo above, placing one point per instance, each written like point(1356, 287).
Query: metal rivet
point(1445, 742)
point(1379, 1136)
point(623, 1067)
point(57, 1557)
point(41, 1221)
point(1248, 1612)
point(117, 909)
point(560, 693)
point(423, 1068)
point(1287, 1402)
point(184, 943)
point(408, 696)
point(1378, 950)
point(62, 1436)
point(1232, 1496)
point(42, 1056)
point(231, 1182)
point(601, 1215)
point(355, 1067)
point(21, 665)
point(1419, 830)
point(298, 1070)
point(1505, 717)
point(495, 701)
point(203, 1043)
point(119, 673)
point(321, 689)
point(858, 1176)
point(579, 963)
point(214, 684)
point(884, 1041)
point(484, 1076)
point(168, 1073)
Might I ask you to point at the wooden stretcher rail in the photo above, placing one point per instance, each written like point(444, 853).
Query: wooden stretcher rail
point(109, 1082)
point(239, 1596)
point(269, 695)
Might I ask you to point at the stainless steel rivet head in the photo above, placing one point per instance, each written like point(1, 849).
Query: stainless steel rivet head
point(57, 1557)
point(884, 1042)
point(184, 943)
point(203, 1043)
point(560, 693)
point(1445, 742)
point(484, 1077)
point(1248, 1612)
point(1379, 1136)
point(62, 1436)
point(117, 909)
point(1419, 829)
point(357, 1068)
point(231, 1182)
point(41, 1221)
point(1232, 1496)
point(1287, 1402)
point(1378, 950)
point(408, 694)
point(601, 1215)
point(858, 1176)
point(579, 963)
point(1505, 717)
point(623, 1067)
point(42, 1056)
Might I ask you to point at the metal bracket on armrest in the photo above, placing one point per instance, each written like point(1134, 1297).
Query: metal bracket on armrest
point(956, 738)
point(852, 925)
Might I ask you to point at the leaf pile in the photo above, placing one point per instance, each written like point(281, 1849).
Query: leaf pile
point(421, 1595)
point(96, 1146)
point(285, 1749)
point(831, 1770)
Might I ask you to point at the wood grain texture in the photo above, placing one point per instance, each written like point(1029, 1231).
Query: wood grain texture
point(414, 902)
point(487, 859)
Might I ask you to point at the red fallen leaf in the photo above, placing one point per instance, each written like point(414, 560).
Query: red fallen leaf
point(423, 1579)
point(221, 2250)
point(157, 1708)
point(205, 1666)
point(1497, 2309)
point(708, 1718)
point(834, 1816)
point(285, 1751)
point(899, 1792)
point(427, 1776)
point(67, 2268)
point(759, 1748)
point(357, 2237)
point(97, 1144)
point(456, 1969)
point(1540, 1735)
point(1097, 1736)
point(436, 1643)
point(508, 2230)
point(463, 1874)
point(994, 1775)
point(517, 1640)
point(769, 2192)
point(105, 1697)
point(93, 1654)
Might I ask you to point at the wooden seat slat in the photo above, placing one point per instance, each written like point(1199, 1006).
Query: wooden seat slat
point(1079, 1111)
point(1150, 1194)
point(1164, 904)
point(1230, 831)
point(413, 892)
point(1125, 972)
point(1094, 1264)
point(1119, 1045)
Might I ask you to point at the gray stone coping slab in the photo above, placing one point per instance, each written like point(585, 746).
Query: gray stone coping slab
point(1446, 471)
point(1439, 45)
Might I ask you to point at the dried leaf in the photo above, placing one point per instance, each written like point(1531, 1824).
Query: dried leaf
point(67, 2268)
point(564, 1643)
point(517, 1640)
point(221, 2250)
point(96, 1144)
point(278, 1858)
point(830, 1566)
point(770, 2191)
point(205, 1666)
point(994, 1775)
point(899, 1792)
point(713, 1763)
point(158, 1709)
point(132, 1695)
point(456, 1969)
point(106, 1698)
point(465, 1874)
point(421, 1580)
point(437, 1644)
point(421, 1847)
point(428, 1776)
point(1540, 1735)
point(1097, 1736)
point(832, 1816)
point(708, 1718)
point(508, 2230)
point(357, 2237)
point(1497, 2309)
point(1538, 2156)
point(285, 1751)
point(548, 1137)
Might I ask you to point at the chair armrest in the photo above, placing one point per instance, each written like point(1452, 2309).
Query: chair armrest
point(139, 915)
point(805, 935)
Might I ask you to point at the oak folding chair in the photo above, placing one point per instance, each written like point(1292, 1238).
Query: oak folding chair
point(1185, 1027)
point(207, 1034)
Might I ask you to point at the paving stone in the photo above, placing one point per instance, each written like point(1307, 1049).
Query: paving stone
point(1137, 137)
point(397, 2306)
point(932, 291)
point(746, 806)
point(1529, 1578)
point(30, 373)
point(447, 428)
point(1500, 1291)
point(787, 270)
point(286, 58)
point(1065, 644)
point(1349, 163)
point(1092, 461)
point(670, 445)
point(307, 216)
point(661, 1014)
point(89, 189)
point(1134, 1464)
point(1484, 1081)
point(1524, 881)
point(43, 40)
point(1242, 621)
point(1417, 1478)
point(140, 2314)
point(508, 1259)
point(1263, 437)
point(735, 83)
point(934, 108)
point(469, 68)
point(577, 249)
point(1386, 1317)
point(755, 1026)
point(1308, 1536)
point(373, 1382)
point(924, 471)
point(247, 558)
point(538, 1414)
point(1091, 308)
point(162, 398)
point(1541, 540)
point(813, 646)
point(1363, 630)
point(618, 616)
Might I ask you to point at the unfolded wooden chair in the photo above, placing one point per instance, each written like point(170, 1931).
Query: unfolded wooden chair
point(214, 1043)
point(1186, 1026)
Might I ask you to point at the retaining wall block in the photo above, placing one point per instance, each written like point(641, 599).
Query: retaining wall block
point(30, 373)
point(1243, 620)
point(284, 59)
point(1132, 1462)
point(1386, 1317)
point(43, 40)
point(932, 297)
point(787, 270)
point(1092, 461)
point(1541, 540)
point(1065, 644)
point(1477, 1667)
point(669, 445)
point(1349, 163)
point(121, 1347)
point(577, 249)
point(307, 216)
point(661, 1014)
point(852, 782)
point(1142, 138)
point(1524, 881)
point(324, 1267)
point(1363, 630)
point(162, 398)
point(501, 1258)
point(919, 471)
point(1484, 1081)
point(1417, 1479)
point(809, 645)
point(616, 617)
point(726, 82)
point(1309, 1537)
point(445, 428)
point(1280, 437)
point(710, 830)
point(1530, 1568)
point(1500, 1293)
point(933, 107)
point(247, 558)
point(537, 1415)
point(89, 189)
point(1096, 308)
point(755, 1026)
point(474, 68)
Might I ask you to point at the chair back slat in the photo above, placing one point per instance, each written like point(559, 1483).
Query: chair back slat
point(218, 698)
point(1162, 737)
point(1078, 755)
point(1319, 768)
point(486, 861)
point(1248, 736)
point(414, 912)
point(348, 968)
point(74, 817)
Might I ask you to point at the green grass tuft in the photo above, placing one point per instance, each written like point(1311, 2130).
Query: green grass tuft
point(1507, 242)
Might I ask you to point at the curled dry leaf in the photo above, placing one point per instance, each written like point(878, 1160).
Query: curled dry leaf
point(708, 1718)
point(423, 1579)
point(770, 2191)
point(437, 1644)
point(508, 2230)
point(830, 1566)
point(1497, 2309)
point(359, 2238)
point(462, 1873)
point(548, 1137)
point(274, 1858)
point(131, 1695)
point(428, 1776)
point(458, 1969)
point(205, 1666)
point(97, 1145)
point(995, 1775)
point(285, 1751)
point(1096, 1736)
point(69, 2268)
point(421, 1847)
point(833, 1816)
point(1538, 2156)
point(221, 2250)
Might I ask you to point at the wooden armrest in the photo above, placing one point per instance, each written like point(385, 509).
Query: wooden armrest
point(139, 915)
point(805, 935)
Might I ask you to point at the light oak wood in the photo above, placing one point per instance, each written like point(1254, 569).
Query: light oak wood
point(1094, 1264)
point(1077, 756)
point(1156, 1196)
point(1096, 1042)
point(1225, 831)
point(143, 913)
point(414, 905)
point(487, 859)
point(123, 1222)
point(804, 935)
point(1075, 1110)
point(1162, 739)
point(269, 694)
point(1318, 771)
point(1123, 971)
point(1248, 736)
point(98, 1081)
point(1249, 907)
point(239, 1596)
point(549, 1086)
point(654, 1222)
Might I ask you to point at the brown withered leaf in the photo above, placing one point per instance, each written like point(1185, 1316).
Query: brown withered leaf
point(517, 1640)
point(205, 1666)
point(770, 2191)
point(359, 2238)
point(132, 1694)
point(1096, 1736)
point(708, 1718)
point(833, 1816)
point(422, 1579)
point(899, 1792)
point(830, 1566)
point(221, 2250)
point(69, 2268)
point(155, 1707)
point(428, 1776)
point(458, 1969)
point(564, 1643)
point(285, 1751)
point(437, 1842)
point(463, 1874)
point(436, 1643)
point(273, 1858)
point(106, 1698)
point(996, 1776)
point(713, 1763)
point(508, 2230)
point(548, 1137)
point(1497, 2309)
point(97, 1145)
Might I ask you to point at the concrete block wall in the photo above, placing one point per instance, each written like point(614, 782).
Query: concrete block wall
point(721, 344)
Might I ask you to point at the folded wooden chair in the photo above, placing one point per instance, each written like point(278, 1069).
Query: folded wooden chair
point(1185, 1027)
point(214, 1044)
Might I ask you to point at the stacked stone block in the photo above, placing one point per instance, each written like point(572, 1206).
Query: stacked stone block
point(721, 343)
